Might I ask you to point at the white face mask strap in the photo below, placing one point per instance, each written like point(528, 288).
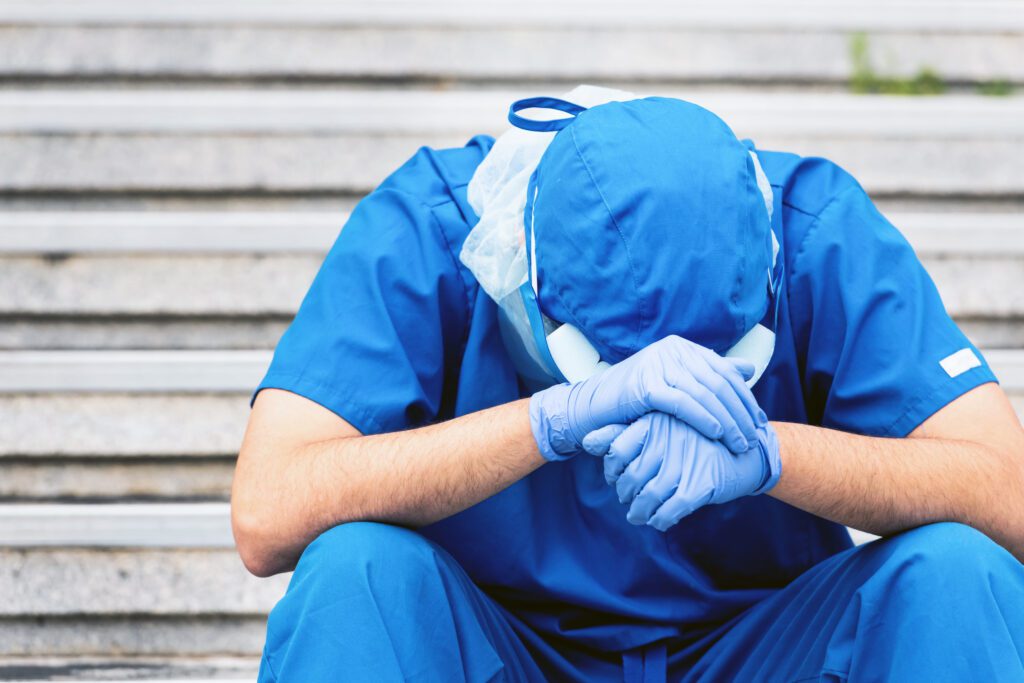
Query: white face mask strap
point(763, 185)
point(533, 245)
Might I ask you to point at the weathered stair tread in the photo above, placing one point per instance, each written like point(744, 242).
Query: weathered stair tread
point(155, 670)
point(127, 410)
point(165, 525)
point(134, 371)
point(256, 286)
point(142, 478)
point(121, 424)
point(162, 232)
point(953, 234)
point(473, 111)
point(954, 15)
point(225, 267)
point(214, 371)
point(460, 39)
point(132, 635)
point(344, 142)
point(156, 580)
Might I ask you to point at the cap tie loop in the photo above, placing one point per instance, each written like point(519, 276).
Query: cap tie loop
point(543, 103)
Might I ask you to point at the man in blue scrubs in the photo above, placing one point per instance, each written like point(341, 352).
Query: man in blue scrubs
point(443, 525)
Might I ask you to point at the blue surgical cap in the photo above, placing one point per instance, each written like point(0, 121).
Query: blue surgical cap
point(648, 222)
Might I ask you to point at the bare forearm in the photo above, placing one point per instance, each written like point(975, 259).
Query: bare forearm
point(409, 478)
point(420, 476)
point(888, 485)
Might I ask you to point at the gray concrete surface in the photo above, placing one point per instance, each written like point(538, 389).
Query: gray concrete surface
point(203, 142)
point(176, 582)
point(142, 525)
point(112, 425)
point(132, 636)
point(115, 479)
point(744, 41)
point(109, 669)
point(273, 286)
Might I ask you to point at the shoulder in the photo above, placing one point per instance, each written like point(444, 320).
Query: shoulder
point(412, 226)
point(816, 198)
point(434, 177)
point(420, 205)
point(806, 184)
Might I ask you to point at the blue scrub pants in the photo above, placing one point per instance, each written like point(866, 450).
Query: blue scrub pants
point(371, 602)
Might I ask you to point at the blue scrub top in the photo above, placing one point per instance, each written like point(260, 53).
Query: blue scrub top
point(395, 333)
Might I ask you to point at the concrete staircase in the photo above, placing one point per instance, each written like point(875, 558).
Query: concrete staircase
point(172, 173)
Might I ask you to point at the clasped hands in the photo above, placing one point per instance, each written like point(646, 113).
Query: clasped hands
point(676, 426)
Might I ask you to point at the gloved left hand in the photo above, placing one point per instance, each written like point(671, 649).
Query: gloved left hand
point(665, 470)
point(673, 376)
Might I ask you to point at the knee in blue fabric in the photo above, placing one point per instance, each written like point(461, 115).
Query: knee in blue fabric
point(350, 588)
point(928, 556)
point(360, 550)
point(943, 606)
point(936, 603)
point(376, 602)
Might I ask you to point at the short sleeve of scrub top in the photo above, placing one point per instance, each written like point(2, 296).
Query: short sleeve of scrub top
point(879, 352)
point(370, 338)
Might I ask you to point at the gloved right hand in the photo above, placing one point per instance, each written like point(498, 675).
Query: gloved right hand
point(664, 470)
point(672, 376)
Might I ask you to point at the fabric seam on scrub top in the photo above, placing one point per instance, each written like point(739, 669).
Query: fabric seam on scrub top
point(466, 299)
point(319, 391)
point(741, 324)
point(791, 272)
point(442, 172)
point(632, 348)
point(845, 675)
point(448, 249)
point(469, 282)
point(270, 666)
point(813, 227)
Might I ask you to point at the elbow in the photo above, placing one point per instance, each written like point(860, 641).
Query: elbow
point(252, 526)
point(251, 543)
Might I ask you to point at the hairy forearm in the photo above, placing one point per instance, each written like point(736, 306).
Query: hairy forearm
point(282, 501)
point(887, 485)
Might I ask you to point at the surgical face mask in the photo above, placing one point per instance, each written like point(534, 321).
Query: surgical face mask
point(500, 251)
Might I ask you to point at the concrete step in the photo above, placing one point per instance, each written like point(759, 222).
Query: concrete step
point(114, 580)
point(117, 580)
point(128, 637)
point(144, 270)
point(124, 425)
point(799, 41)
point(160, 372)
point(184, 332)
point(153, 525)
point(176, 232)
point(116, 413)
point(130, 668)
point(144, 478)
point(138, 141)
point(206, 372)
point(271, 287)
point(56, 233)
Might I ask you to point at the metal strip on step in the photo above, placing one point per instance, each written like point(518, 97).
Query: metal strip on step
point(187, 525)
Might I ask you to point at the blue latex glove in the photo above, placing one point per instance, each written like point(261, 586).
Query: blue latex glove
point(673, 376)
point(665, 470)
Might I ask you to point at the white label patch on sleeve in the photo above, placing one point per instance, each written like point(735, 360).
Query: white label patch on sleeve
point(960, 362)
